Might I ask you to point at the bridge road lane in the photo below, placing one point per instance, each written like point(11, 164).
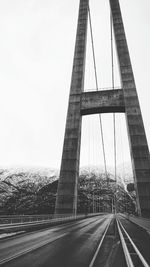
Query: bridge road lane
point(139, 236)
point(69, 245)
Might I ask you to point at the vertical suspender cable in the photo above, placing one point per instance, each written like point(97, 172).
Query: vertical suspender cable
point(96, 81)
point(93, 50)
point(113, 86)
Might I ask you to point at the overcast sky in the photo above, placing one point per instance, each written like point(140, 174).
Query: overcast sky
point(36, 53)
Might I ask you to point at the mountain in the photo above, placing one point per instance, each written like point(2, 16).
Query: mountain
point(33, 190)
point(124, 172)
point(23, 181)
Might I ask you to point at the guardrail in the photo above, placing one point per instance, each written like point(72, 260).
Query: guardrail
point(9, 219)
point(39, 224)
point(14, 219)
point(131, 255)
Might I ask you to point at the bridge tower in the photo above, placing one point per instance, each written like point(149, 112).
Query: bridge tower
point(84, 103)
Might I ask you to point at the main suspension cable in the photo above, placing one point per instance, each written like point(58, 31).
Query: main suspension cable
point(96, 81)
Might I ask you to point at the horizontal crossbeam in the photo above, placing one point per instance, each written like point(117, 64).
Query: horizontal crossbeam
point(106, 101)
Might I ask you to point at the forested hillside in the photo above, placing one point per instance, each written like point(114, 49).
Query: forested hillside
point(33, 191)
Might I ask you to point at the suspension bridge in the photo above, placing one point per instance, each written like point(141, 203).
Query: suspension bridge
point(122, 100)
point(101, 238)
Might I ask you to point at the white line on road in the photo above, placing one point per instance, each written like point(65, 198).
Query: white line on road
point(31, 249)
point(99, 246)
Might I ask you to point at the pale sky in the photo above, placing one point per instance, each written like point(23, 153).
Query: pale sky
point(36, 55)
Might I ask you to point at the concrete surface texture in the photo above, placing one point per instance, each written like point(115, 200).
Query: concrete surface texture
point(67, 189)
point(136, 132)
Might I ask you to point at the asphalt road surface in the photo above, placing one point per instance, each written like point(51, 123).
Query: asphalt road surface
point(69, 245)
point(74, 244)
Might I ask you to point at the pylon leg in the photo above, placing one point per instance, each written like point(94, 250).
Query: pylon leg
point(66, 201)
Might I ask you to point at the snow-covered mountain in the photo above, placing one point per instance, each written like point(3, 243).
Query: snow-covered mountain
point(124, 171)
point(20, 178)
point(33, 190)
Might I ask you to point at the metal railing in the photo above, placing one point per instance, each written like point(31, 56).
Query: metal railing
point(15, 220)
point(127, 243)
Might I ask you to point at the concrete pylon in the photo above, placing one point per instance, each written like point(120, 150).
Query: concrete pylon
point(66, 201)
point(83, 103)
point(136, 132)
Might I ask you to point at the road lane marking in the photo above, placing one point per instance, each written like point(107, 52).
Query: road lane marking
point(19, 254)
point(99, 246)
